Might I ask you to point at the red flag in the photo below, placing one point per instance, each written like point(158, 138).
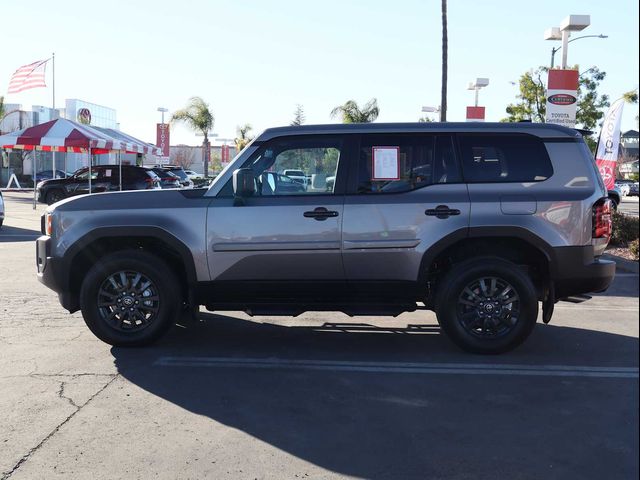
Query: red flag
point(28, 76)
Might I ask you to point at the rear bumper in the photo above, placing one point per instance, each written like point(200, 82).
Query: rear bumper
point(50, 273)
point(578, 271)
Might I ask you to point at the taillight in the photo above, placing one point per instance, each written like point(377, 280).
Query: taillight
point(602, 224)
point(151, 182)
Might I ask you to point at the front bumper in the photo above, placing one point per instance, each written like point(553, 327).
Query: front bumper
point(578, 272)
point(51, 273)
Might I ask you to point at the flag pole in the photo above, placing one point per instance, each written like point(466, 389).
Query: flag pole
point(53, 80)
point(53, 107)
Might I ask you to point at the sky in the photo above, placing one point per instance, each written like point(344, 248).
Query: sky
point(253, 61)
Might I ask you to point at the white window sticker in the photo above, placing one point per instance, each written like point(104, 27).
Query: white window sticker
point(107, 173)
point(386, 165)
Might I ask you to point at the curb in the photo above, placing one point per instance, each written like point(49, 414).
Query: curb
point(622, 263)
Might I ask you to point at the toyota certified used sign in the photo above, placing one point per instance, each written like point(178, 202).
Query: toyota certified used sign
point(562, 93)
point(561, 99)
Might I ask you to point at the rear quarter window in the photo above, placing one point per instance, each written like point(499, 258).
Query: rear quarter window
point(504, 158)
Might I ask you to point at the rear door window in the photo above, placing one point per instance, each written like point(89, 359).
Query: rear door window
point(403, 162)
point(504, 158)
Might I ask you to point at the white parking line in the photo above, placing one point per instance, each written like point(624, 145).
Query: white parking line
point(400, 367)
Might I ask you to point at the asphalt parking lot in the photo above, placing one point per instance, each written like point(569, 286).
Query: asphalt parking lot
point(317, 396)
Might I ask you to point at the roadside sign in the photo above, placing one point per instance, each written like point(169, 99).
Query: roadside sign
point(562, 97)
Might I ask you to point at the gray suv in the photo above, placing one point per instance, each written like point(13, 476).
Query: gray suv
point(481, 223)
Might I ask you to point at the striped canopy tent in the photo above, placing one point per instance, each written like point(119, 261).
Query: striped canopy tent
point(63, 135)
point(134, 145)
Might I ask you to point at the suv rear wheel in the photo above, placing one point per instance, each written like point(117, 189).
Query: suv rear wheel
point(487, 305)
point(130, 298)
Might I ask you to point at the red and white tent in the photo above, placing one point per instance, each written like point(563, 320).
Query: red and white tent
point(63, 135)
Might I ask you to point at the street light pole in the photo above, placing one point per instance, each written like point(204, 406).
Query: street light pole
point(554, 50)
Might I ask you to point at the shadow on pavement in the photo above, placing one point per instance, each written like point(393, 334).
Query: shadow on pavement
point(404, 425)
point(15, 234)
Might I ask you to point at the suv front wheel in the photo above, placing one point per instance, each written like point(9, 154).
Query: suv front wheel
point(130, 298)
point(487, 305)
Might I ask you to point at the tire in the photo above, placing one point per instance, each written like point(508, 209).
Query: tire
point(486, 321)
point(134, 316)
point(54, 196)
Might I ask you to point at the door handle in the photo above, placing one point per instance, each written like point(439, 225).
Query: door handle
point(442, 211)
point(320, 214)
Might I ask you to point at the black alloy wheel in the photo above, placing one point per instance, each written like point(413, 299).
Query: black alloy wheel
point(130, 298)
point(54, 196)
point(128, 301)
point(486, 305)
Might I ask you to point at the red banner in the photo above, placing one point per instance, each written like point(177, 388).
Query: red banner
point(162, 138)
point(224, 154)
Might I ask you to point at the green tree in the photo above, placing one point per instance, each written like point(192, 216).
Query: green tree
point(350, 112)
point(531, 104)
point(199, 118)
point(425, 119)
point(242, 136)
point(298, 116)
point(2, 110)
point(445, 63)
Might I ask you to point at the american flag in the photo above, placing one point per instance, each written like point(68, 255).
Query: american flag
point(28, 76)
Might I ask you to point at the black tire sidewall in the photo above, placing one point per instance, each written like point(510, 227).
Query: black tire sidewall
point(157, 271)
point(464, 273)
point(50, 197)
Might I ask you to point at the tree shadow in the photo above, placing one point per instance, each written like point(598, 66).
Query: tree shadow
point(15, 234)
point(377, 424)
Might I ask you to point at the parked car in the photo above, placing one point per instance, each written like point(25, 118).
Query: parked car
point(47, 174)
point(193, 175)
point(297, 175)
point(167, 179)
point(633, 189)
point(1, 209)
point(280, 184)
point(185, 181)
point(104, 178)
point(616, 197)
point(624, 187)
point(483, 223)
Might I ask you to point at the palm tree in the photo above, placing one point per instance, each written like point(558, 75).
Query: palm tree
point(198, 116)
point(351, 113)
point(445, 47)
point(243, 138)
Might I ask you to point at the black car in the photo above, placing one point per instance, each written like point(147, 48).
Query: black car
point(185, 181)
point(168, 179)
point(48, 174)
point(104, 178)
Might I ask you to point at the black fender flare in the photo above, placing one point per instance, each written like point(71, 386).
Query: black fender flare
point(128, 231)
point(506, 232)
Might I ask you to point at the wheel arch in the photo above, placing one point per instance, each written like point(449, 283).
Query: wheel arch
point(87, 250)
point(515, 244)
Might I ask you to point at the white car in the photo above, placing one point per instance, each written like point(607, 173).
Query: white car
point(624, 188)
point(192, 175)
point(296, 175)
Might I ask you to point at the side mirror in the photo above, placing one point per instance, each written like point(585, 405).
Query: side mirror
point(243, 185)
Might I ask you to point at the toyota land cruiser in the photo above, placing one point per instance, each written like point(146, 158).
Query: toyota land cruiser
point(481, 223)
